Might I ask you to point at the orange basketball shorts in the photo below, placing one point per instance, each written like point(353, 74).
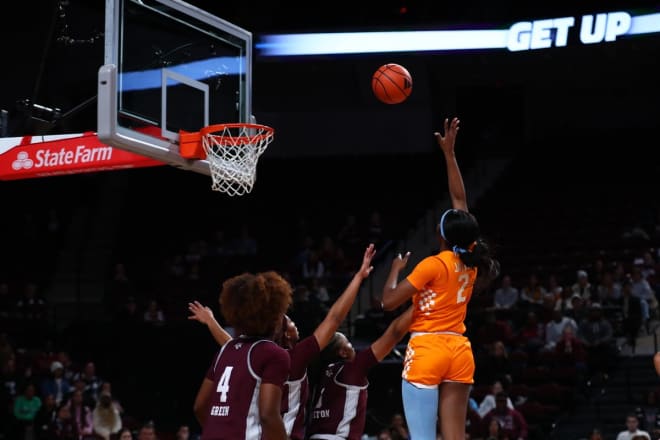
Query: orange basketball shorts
point(433, 358)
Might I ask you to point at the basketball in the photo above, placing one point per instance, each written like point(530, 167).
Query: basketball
point(391, 83)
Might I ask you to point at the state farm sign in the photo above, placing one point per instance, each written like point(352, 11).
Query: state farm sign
point(27, 157)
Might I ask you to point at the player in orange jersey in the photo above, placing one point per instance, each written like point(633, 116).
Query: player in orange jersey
point(439, 366)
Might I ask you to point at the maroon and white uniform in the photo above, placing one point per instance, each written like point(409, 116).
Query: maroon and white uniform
point(296, 388)
point(238, 371)
point(340, 410)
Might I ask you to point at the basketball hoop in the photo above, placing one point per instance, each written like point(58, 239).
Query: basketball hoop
point(233, 151)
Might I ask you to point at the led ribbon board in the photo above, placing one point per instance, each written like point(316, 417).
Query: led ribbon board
point(523, 35)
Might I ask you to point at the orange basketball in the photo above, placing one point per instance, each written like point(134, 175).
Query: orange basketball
point(391, 83)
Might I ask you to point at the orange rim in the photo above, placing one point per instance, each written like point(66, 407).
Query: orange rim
point(265, 130)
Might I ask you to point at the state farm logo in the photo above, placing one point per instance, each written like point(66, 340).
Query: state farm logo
point(22, 162)
point(46, 158)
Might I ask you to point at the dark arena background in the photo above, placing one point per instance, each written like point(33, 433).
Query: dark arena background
point(557, 145)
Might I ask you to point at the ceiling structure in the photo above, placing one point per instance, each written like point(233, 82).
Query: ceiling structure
point(57, 51)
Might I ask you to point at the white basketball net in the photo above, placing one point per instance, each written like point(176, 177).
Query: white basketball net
point(233, 151)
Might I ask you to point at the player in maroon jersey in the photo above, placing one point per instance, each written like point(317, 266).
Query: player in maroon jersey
point(296, 388)
point(241, 394)
point(340, 407)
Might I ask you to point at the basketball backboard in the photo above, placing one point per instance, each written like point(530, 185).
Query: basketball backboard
point(170, 66)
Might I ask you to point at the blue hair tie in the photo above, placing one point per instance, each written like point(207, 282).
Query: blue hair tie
point(442, 224)
point(459, 250)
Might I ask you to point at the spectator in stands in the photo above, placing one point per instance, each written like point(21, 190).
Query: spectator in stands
point(92, 382)
point(609, 290)
point(105, 417)
point(495, 366)
point(494, 431)
point(488, 402)
point(564, 302)
point(532, 333)
point(632, 429)
point(11, 381)
point(511, 421)
point(648, 265)
point(319, 291)
point(553, 288)
point(26, 407)
point(493, 329)
point(473, 419)
point(81, 414)
point(154, 314)
point(597, 334)
point(532, 293)
point(579, 308)
point(649, 414)
point(70, 369)
point(45, 417)
point(595, 434)
point(328, 254)
point(583, 287)
point(64, 427)
point(506, 296)
point(555, 328)
point(183, 433)
point(642, 289)
point(106, 388)
point(125, 434)
point(312, 267)
point(632, 313)
point(571, 352)
point(56, 384)
point(147, 432)
point(398, 427)
point(384, 434)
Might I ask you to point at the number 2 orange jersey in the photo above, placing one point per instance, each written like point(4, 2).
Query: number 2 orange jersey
point(444, 287)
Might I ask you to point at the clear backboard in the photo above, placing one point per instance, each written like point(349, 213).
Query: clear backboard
point(170, 66)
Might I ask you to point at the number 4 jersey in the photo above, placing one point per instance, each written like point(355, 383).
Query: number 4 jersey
point(238, 371)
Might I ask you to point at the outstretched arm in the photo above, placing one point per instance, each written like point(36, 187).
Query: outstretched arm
point(205, 316)
point(337, 313)
point(394, 333)
point(396, 293)
point(454, 177)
